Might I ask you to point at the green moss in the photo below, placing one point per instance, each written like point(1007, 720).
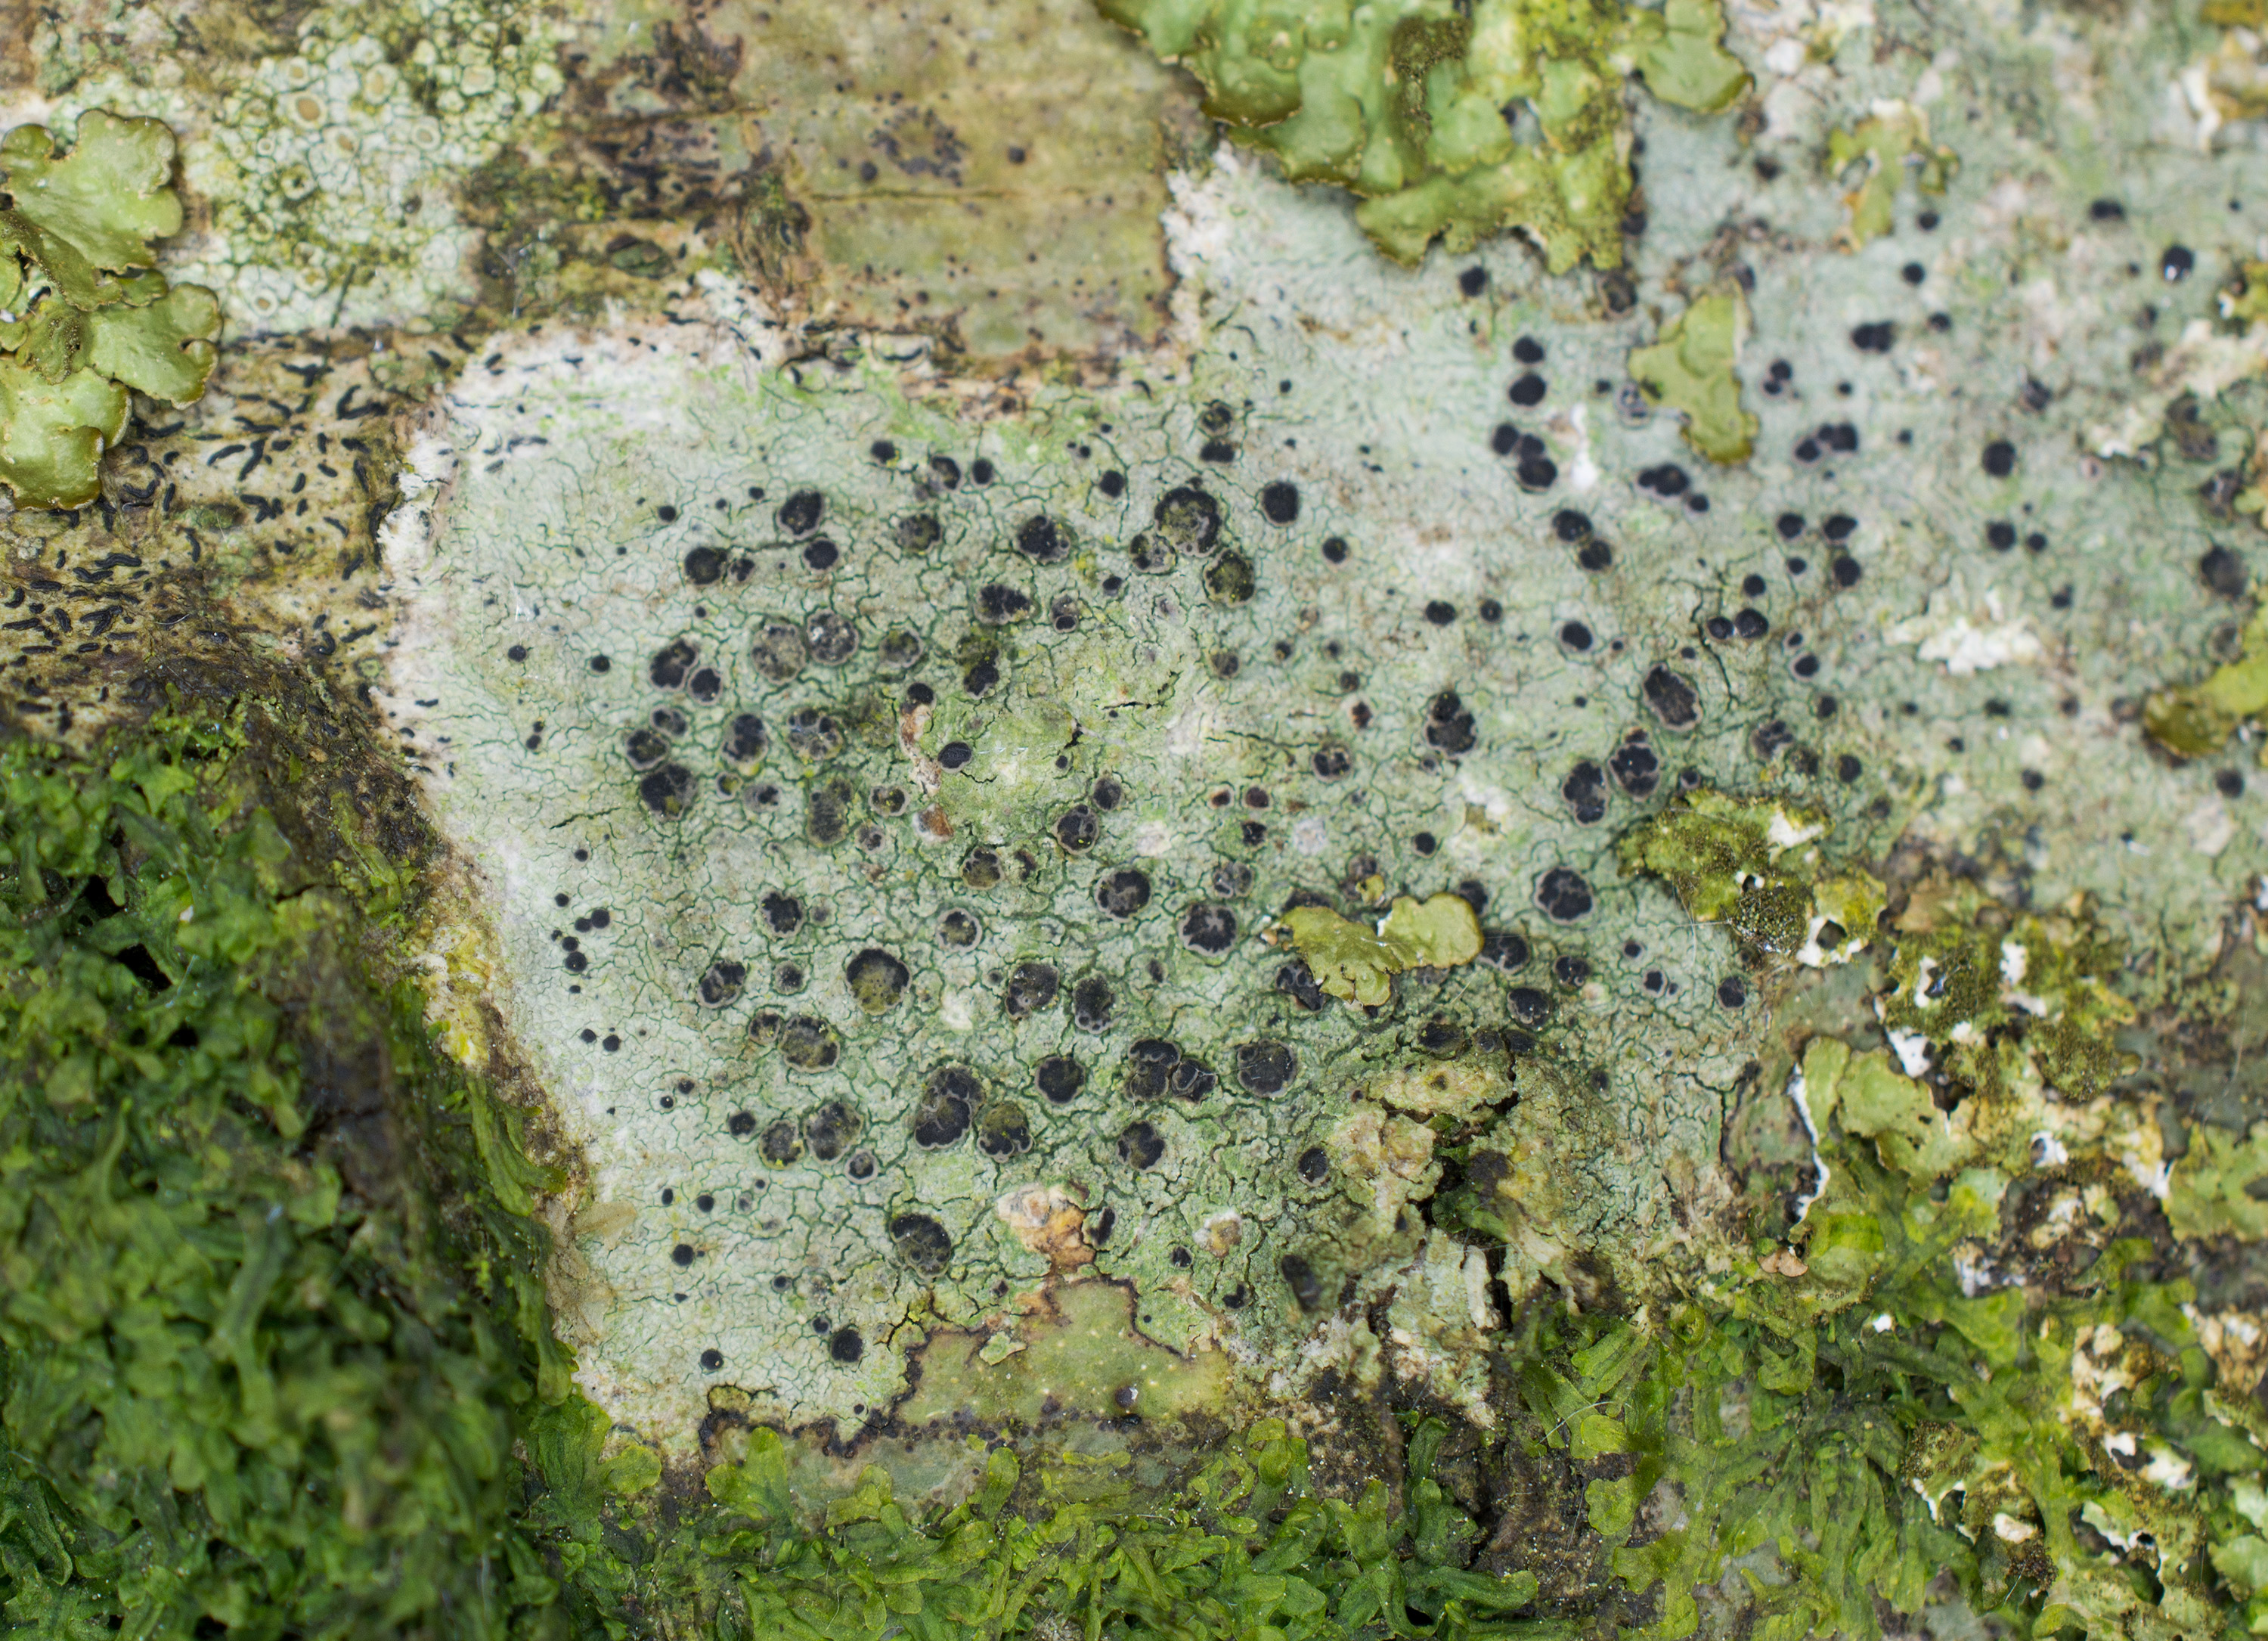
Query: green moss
point(1450, 121)
point(267, 1310)
point(74, 335)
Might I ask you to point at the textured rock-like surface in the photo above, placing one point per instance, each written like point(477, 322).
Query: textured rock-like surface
point(895, 594)
point(1040, 733)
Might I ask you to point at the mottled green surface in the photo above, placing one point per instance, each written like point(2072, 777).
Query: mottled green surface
point(1698, 1276)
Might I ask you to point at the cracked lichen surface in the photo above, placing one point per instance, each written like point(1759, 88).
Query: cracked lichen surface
point(1472, 607)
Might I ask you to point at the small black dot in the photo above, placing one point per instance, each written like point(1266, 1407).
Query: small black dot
point(1838, 527)
point(1847, 572)
point(1797, 566)
point(1473, 281)
point(1733, 992)
point(1595, 556)
point(883, 451)
point(682, 1255)
point(1575, 636)
point(2176, 263)
point(1490, 611)
point(2106, 211)
point(1928, 222)
point(2001, 536)
point(1790, 525)
point(981, 471)
point(1527, 350)
point(611, 1043)
point(599, 663)
point(517, 651)
point(1752, 586)
point(954, 754)
point(1335, 550)
point(1425, 842)
point(711, 1360)
point(1999, 458)
point(1111, 483)
point(1913, 273)
point(1280, 502)
point(1528, 390)
point(2032, 779)
point(820, 554)
point(1848, 769)
point(2230, 782)
point(1440, 614)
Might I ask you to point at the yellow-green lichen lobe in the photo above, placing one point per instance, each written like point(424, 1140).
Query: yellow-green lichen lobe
point(81, 322)
point(1355, 963)
point(1452, 122)
point(1693, 368)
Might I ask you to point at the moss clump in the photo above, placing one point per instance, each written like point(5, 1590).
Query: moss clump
point(1244, 1548)
point(79, 324)
point(1450, 121)
point(268, 1309)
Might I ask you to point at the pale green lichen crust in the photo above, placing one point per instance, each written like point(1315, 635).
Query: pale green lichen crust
point(1165, 691)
